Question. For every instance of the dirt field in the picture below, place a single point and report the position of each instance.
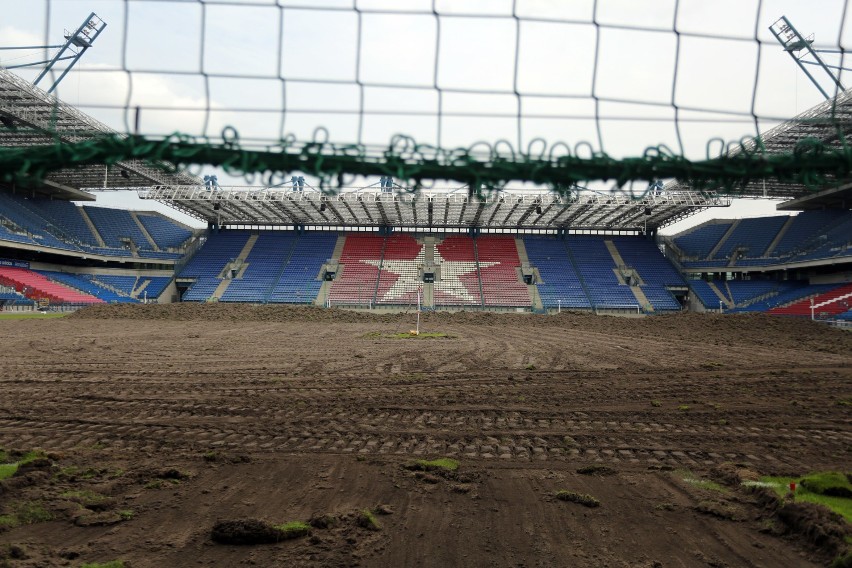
(160, 421)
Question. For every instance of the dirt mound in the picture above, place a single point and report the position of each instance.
(823, 528)
(245, 531)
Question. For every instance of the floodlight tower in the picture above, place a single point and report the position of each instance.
(76, 43)
(794, 43)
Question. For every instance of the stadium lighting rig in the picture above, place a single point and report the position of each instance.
(802, 51)
(76, 44)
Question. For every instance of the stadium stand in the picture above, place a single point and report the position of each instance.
(114, 225)
(742, 291)
(705, 294)
(804, 226)
(833, 301)
(697, 243)
(210, 260)
(654, 270)
(399, 278)
(298, 282)
(164, 232)
(155, 286)
(788, 293)
(66, 215)
(596, 269)
(752, 236)
(123, 284)
(87, 286)
(61, 225)
(10, 297)
(559, 286)
(455, 256)
(359, 279)
(17, 211)
(263, 266)
(810, 235)
(37, 287)
(499, 271)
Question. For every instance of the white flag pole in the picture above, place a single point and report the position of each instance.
(418, 311)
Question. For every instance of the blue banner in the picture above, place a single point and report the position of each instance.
(14, 263)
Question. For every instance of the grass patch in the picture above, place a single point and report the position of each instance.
(581, 498)
(683, 407)
(126, 514)
(88, 499)
(407, 335)
(9, 467)
(831, 483)
(656, 403)
(30, 315)
(691, 479)
(8, 522)
(293, 529)
(110, 564)
(445, 464)
(781, 485)
(7, 470)
(530, 367)
(422, 335)
(30, 513)
(367, 520)
(597, 470)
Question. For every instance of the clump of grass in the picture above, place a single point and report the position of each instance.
(831, 483)
(597, 469)
(717, 509)
(530, 367)
(581, 498)
(9, 467)
(110, 564)
(8, 522)
(367, 520)
(691, 479)
(683, 407)
(840, 505)
(656, 403)
(7, 470)
(154, 484)
(126, 514)
(293, 529)
(30, 513)
(446, 464)
(666, 506)
(88, 499)
(422, 335)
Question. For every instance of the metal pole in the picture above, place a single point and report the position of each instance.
(418, 312)
(720, 306)
(558, 306)
(812, 309)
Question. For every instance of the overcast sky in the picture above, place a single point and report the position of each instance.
(270, 68)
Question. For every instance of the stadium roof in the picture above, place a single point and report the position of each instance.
(31, 117)
(432, 209)
(826, 122)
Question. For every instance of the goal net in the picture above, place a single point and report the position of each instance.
(622, 93)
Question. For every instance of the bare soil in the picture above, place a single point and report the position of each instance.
(163, 422)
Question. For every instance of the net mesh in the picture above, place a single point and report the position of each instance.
(481, 93)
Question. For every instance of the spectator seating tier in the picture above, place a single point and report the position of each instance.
(36, 286)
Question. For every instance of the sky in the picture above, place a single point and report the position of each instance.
(271, 68)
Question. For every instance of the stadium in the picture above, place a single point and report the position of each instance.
(414, 356)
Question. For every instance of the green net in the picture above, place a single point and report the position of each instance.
(484, 93)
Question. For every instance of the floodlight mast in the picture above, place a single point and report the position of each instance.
(793, 42)
(82, 38)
